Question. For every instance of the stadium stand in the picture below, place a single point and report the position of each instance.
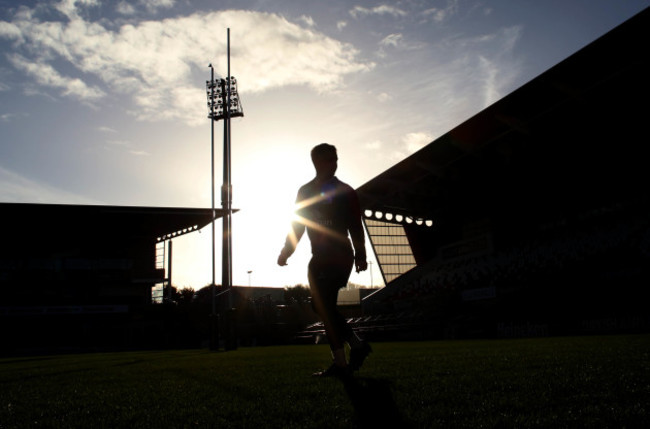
(80, 277)
(531, 217)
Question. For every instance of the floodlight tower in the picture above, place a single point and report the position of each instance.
(223, 103)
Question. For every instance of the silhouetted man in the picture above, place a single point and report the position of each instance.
(329, 210)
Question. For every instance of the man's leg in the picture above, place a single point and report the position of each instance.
(323, 281)
(324, 298)
(340, 332)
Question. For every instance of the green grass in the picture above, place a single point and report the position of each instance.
(586, 382)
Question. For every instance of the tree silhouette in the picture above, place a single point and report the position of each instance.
(297, 294)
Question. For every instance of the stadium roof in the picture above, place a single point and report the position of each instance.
(571, 140)
(577, 130)
(56, 220)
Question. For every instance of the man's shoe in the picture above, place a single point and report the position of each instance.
(358, 355)
(334, 371)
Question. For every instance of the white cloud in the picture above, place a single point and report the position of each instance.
(161, 65)
(392, 40)
(11, 31)
(47, 76)
(469, 75)
(490, 72)
(442, 14)
(151, 6)
(413, 142)
(409, 143)
(360, 11)
(106, 129)
(498, 69)
(122, 145)
(397, 41)
(125, 8)
(8, 117)
(308, 20)
(70, 7)
(154, 5)
(341, 25)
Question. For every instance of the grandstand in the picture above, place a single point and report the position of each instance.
(80, 277)
(531, 217)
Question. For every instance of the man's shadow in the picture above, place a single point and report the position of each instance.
(373, 403)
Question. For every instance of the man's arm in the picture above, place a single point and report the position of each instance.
(294, 236)
(296, 232)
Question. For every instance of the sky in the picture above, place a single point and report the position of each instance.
(103, 102)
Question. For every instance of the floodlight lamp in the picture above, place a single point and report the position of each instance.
(368, 213)
(217, 91)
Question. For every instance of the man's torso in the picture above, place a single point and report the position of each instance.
(326, 209)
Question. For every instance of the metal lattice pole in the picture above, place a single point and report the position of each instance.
(223, 102)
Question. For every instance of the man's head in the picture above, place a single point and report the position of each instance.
(325, 160)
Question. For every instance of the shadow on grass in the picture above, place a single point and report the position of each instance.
(373, 403)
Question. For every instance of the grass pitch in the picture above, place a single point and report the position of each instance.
(552, 382)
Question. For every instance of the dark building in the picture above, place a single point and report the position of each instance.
(81, 277)
(533, 216)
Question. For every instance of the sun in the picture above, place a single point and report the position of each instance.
(269, 182)
(264, 192)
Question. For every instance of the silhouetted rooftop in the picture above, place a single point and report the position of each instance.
(573, 134)
(46, 221)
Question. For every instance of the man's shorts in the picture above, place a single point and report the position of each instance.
(331, 272)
